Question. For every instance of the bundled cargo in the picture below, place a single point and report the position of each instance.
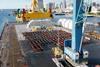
(40, 38)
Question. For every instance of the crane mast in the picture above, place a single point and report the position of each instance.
(34, 5)
(73, 51)
(73, 47)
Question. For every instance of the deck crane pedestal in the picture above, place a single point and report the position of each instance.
(73, 51)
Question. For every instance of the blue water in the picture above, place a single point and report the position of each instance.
(5, 16)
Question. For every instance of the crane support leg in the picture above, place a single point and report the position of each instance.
(73, 48)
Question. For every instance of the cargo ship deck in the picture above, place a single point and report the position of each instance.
(33, 49)
(42, 43)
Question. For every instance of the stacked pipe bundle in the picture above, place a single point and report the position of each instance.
(40, 38)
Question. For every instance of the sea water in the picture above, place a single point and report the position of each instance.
(5, 17)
